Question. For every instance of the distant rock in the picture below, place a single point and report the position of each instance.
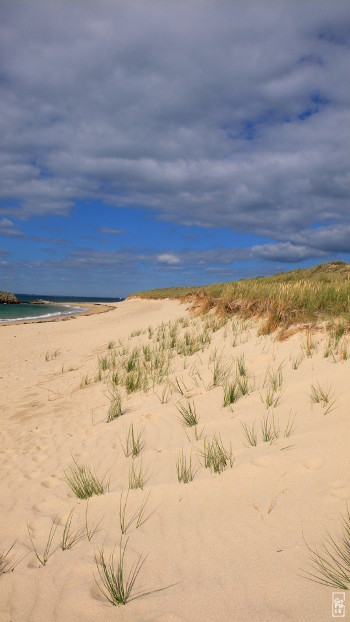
(8, 298)
(39, 301)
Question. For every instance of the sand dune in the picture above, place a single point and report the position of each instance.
(225, 546)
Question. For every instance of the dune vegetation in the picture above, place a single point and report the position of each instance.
(308, 295)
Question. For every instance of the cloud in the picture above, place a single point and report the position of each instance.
(234, 117)
(8, 229)
(168, 258)
(110, 231)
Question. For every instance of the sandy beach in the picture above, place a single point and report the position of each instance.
(228, 546)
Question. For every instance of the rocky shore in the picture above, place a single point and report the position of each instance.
(8, 298)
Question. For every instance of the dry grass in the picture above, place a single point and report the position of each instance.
(283, 300)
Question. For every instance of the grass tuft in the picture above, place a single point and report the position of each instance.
(116, 408)
(250, 434)
(136, 477)
(188, 415)
(133, 445)
(71, 538)
(43, 558)
(331, 566)
(322, 396)
(117, 585)
(184, 469)
(215, 456)
(83, 482)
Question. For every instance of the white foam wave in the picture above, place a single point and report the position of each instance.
(45, 315)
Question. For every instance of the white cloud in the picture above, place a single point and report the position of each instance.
(168, 258)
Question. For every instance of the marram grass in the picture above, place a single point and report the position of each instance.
(287, 298)
(83, 482)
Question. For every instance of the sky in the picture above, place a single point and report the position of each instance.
(152, 144)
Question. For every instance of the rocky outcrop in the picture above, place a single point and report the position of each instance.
(8, 298)
(38, 301)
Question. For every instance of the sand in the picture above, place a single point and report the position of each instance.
(228, 546)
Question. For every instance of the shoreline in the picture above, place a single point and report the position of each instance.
(88, 308)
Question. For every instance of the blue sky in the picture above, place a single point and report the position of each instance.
(149, 144)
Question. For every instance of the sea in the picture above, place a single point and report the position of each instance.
(26, 311)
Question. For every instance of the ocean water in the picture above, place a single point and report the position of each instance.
(11, 313)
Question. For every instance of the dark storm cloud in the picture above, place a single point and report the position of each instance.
(213, 114)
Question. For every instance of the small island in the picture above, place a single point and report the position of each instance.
(8, 298)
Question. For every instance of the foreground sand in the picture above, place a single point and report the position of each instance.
(226, 547)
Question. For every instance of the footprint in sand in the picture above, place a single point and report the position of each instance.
(44, 507)
(39, 458)
(33, 475)
(151, 416)
(49, 483)
(313, 463)
(262, 461)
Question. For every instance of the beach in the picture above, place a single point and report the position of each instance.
(228, 545)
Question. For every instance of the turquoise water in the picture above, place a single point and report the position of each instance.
(11, 313)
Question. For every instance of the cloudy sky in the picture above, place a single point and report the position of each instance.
(147, 144)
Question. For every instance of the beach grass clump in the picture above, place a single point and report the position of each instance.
(83, 482)
(133, 381)
(323, 396)
(116, 408)
(118, 585)
(188, 415)
(47, 552)
(69, 537)
(189, 344)
(331, 566)
(220, 372)
(241, 366)
(269, 430)
(243, 385)
(104, 363)
(137, 477)
(274, 379)
(215, 456)
(250, 434)
(184, 469)
(231, 393)
(133, 444)
(270, 399)
(337, 330)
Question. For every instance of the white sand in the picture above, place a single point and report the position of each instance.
(230, 546)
